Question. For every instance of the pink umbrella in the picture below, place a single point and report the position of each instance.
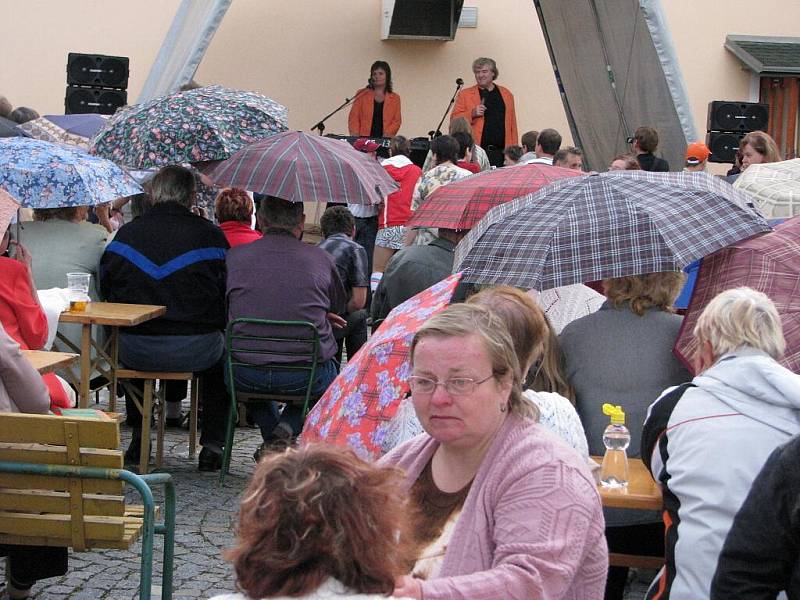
(356, 409)
(769, 263)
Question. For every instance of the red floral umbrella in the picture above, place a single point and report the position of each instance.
(461, 204)
(769, 263)
(356, 409)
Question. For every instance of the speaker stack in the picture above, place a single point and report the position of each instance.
(728, 123)
(96, 83)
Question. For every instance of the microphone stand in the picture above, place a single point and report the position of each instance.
(347, 102)
(438, 132)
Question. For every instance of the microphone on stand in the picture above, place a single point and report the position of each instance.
(459, 82)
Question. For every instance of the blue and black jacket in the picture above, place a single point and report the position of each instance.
(169, 257)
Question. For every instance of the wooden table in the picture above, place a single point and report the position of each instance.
(642, 493)
(47, 362)
(113, 315)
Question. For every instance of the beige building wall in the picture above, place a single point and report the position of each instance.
(311, 54)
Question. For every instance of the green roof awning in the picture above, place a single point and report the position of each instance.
(766, 54)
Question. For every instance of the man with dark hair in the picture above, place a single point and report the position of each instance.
(338, 227)
(465, 145)
(644, 143)
(282, 278)
(174, 258)
(489, 108)
(414, 269)
(569, 158)
(528, 142)
(547, 144)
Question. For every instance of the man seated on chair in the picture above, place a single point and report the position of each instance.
(281, 278)
(338, 228)
(174, 258)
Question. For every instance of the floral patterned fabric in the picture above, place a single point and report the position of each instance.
(357, 407)
(65, 129)
(46, 175)
(204, 124)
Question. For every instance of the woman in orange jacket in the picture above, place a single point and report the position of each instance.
(376, 109)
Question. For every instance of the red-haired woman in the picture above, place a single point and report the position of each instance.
(233, 209)
(318, 523)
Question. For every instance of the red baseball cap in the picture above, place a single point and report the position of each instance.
(366, 145)
(696, 153)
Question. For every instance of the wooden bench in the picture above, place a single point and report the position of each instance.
(62, 484)
(636, 561)
(151, 402)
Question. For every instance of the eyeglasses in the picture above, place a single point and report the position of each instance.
(456, 386)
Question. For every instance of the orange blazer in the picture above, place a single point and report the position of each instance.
(360, 120)
(470, 97)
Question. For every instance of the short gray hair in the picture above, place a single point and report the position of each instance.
(173, 184)
(486, 62)
(279, 213)
(741, 317)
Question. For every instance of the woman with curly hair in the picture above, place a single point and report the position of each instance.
(318, 523)
(233, 210)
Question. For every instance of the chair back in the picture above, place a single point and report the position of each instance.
(253, 342)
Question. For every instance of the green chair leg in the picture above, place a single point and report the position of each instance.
(227, 451)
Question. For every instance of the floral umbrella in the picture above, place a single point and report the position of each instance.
(8, 208)
(358, 406)
(204, 124)
(45, 175)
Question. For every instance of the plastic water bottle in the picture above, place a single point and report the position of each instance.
(616, 438)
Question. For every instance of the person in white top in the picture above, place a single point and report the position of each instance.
(318, 523)
(537, 349)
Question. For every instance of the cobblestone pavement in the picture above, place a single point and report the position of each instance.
(206, 516)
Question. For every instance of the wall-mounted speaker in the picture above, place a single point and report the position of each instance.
(737, 116)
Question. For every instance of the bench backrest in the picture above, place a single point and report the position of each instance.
(60, 511)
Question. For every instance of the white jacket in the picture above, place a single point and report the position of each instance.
(706, 447)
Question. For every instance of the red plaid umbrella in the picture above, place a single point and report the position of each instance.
(299, 167)
(769, 263)
(461, 204)
(356, 409)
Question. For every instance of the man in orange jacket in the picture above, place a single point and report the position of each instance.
(490, 110)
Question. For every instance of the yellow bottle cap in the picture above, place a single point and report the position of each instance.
(615, 412)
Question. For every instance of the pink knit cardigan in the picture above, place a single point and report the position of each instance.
(532, 524)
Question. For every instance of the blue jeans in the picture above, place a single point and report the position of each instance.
(274, 380)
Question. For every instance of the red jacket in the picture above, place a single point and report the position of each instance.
(397, 207)
(238, 233)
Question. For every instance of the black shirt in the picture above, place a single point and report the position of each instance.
(649, 162)
(377, 120)
(494, 119)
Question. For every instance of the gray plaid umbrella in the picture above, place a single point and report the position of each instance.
(606, 225)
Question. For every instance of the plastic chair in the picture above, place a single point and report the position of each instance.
(294, 338)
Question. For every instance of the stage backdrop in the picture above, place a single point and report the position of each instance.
(616, 71)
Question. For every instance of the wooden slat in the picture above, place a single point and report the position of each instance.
(134, 374)
(47, 362)
(59, 526)
(61, 484)
(56, 455)
(48, 501)
(49, 429)
(635, 561)
(114, 314)
(791, 121)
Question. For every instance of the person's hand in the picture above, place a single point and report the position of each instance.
(408, 587)
(22, 254)
(479, 110)
(337, 322)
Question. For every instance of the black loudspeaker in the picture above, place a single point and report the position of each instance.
(737, 116)
(97, 70)
(419, 147)
(723, 146)
(80, 100)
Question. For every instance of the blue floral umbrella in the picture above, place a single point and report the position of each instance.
(204, 124)
(46, 175)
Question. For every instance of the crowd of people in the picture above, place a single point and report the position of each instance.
(486, 488)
